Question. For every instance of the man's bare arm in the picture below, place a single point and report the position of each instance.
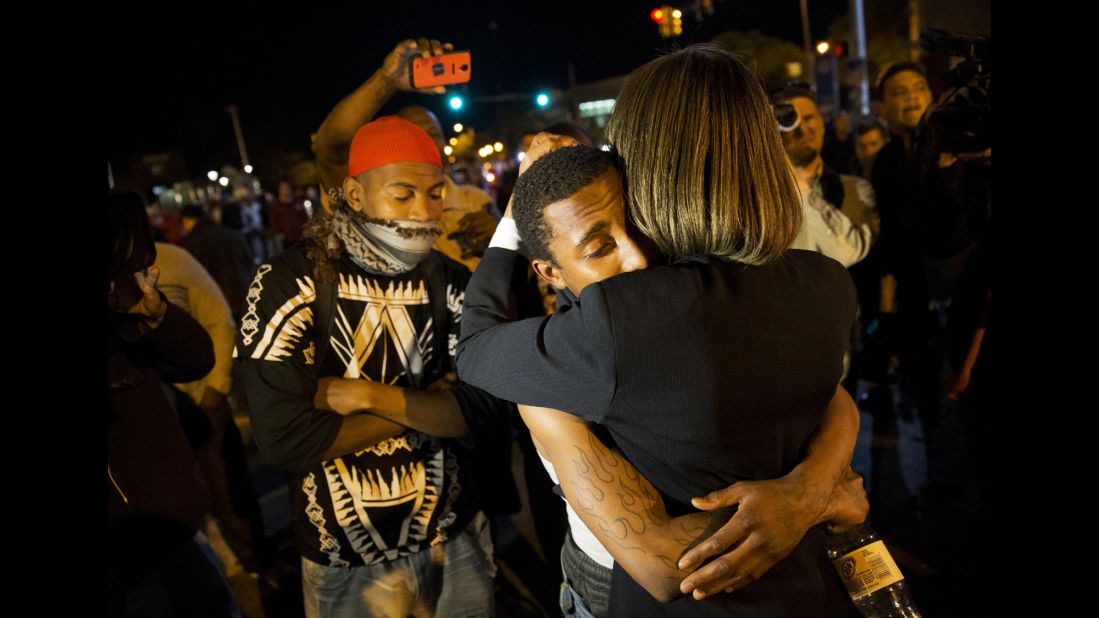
(621, 507)
(627, 514)
(360, 431)
(434, 412)
(335, 133)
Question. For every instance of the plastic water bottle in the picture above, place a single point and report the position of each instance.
(873, 580)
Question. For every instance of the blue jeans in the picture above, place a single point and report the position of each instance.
(586, 591)
(453, 579)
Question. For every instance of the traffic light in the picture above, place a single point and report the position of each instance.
(542, 99)
(456, 102)
(669, 20)
(841, 49)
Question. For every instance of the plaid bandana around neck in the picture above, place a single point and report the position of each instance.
(380, 246)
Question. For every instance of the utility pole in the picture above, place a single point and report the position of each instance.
(810, 67)
(232, 109)
(860, 46)
(914, 30)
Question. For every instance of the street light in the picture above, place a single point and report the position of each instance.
(223, 181)
(498, 147)
(247, 169)
(454, 141)
(822, 47)
(212, 175)
(448, 150)
(458, 128)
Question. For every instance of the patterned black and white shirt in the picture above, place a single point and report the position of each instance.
(396, 497)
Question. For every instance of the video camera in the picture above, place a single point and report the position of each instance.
(963, 122)
(786, 115)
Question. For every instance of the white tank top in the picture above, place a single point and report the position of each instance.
(583, 536)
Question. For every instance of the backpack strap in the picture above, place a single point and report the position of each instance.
(433, 274)
(324, 311)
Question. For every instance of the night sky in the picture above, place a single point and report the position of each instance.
(173, 67)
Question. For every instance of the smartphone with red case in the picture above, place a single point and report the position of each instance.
(452, 68)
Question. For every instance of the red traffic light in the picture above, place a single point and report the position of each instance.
(657, 15)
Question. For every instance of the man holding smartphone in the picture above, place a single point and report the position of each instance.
(469, 216)
(465, 224)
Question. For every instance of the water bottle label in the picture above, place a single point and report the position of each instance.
(867, 570)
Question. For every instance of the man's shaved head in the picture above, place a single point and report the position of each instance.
(423, 118)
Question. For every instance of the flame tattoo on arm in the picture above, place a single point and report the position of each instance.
(604, 482)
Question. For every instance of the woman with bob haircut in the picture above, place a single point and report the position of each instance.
(713, 369)
(706, 173)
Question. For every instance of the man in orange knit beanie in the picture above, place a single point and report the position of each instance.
(346, 346)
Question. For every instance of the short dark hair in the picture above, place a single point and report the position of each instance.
(556, 176)
(897, 67)
(866, 124)
(793, 89)
(130, 247)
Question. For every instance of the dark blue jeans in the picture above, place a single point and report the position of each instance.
(586, 591)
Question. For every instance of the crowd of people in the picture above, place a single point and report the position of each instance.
(719, 284)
